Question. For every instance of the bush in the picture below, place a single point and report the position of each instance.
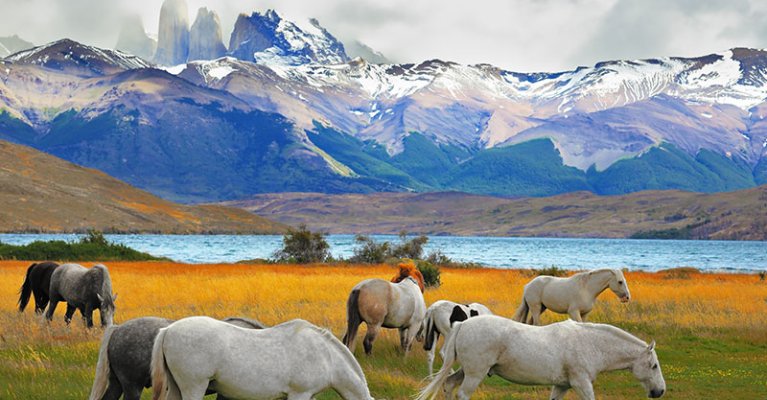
(430, 273)
(412, 248)
(94, 247)
(550, 271)
(303, 246)
(370, 252)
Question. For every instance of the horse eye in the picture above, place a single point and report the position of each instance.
(655, 366)
(620, 282)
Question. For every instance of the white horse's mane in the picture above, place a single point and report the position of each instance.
(615, 331)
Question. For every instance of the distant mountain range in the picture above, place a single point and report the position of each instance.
(669, 214)
(41, 193)
(288, 110)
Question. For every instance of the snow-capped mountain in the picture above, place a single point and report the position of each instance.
(270, 39)
(619, 126)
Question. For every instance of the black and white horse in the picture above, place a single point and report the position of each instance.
(439, 320)
(125, 357)
(83, 289)
(37, 282)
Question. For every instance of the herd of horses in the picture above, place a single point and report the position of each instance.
(241, 358)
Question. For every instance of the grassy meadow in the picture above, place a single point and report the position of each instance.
(711, 329)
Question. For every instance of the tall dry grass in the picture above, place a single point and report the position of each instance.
(663, 305)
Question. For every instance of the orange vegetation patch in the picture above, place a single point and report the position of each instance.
(275, 293)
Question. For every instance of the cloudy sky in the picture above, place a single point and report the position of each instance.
(519, 35)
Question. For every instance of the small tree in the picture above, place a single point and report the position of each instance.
(94, 237)
(412, 248)
(370, 252)
(303, 246)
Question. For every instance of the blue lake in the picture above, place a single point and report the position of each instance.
(648, 255)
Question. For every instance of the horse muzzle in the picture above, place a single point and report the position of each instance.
(655, 393)
(625, 299)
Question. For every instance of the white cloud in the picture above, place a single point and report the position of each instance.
(520, 35)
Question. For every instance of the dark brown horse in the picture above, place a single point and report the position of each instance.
(37, 282)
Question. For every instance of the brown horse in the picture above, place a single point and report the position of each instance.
(379, 303)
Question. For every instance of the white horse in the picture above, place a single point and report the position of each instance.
(439, 320)
(566, 355)
(379, 303)
(574, 296)
(295, 360)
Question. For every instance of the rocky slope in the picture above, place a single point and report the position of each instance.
(42, 193)
(740, 215)
(133, 39)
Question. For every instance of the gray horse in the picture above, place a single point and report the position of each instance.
(126, 353)
(83, 289)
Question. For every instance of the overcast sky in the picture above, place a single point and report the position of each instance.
(518, 35)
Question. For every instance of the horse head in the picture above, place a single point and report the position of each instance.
(619, 286)
(107, 308)
(646, 369)
(409, 270)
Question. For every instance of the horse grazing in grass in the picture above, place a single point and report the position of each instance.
(439, 320)
(566, 355)
(379, 303)
(574, 296)
(125, 356)
(295, 359)
(37, 282)
(84, 289)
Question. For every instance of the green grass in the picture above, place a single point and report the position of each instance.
(696, 365)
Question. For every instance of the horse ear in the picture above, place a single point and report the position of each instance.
(99, 297)
(651, 347)
(114, 297)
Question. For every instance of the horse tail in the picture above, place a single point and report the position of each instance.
(353, 318)
(522, 311)
(431, 330)
(438, 380)
(26, 289)
(162, 379)
(101, 381)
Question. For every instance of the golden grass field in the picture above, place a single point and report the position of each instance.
(711, 329)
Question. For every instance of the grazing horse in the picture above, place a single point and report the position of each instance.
(295, 359)
(566, 355)
(37, 282)
(439, 320)
(84, 289)
(126, 354)
(379, 303)
(574, 296)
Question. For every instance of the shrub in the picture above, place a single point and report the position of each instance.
(550, 271)
(303, 246)
(412, 248)
(762, 275)
(370, 252)
(94, 247)
(430, 273)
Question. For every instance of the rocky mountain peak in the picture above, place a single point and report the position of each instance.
(134, 40)
(270, 39)
(205, 39)
(173, 33)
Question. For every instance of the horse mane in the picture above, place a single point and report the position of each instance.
(617, 332)
(408, 269)
(347, 354)
(106, 281)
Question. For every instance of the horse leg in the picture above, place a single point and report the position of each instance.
(41, 302)
(584, 315)
(469, 385)
(195, 391)
(54, 301)
(535, 313)
(370, 336)
(558, 392)
(68, 315)
(114, 390)
(452, 382)
(583, 388)
(574, 314)
(430, 357)
(88, 315)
